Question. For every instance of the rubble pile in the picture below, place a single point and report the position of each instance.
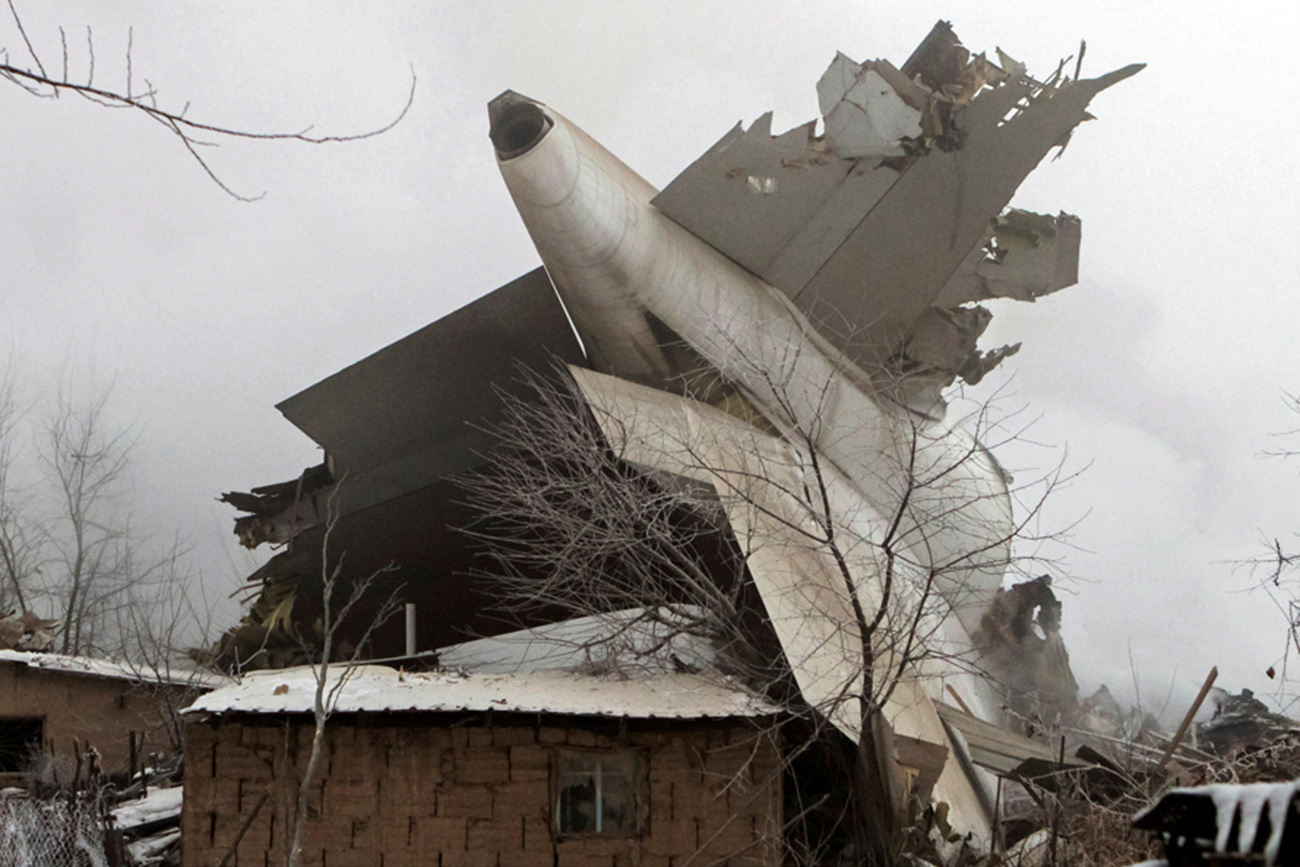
(1223, 794)
(26, 631)
(1242, 722)
(146, 821)
(116, 821)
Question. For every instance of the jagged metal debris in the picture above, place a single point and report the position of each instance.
(1241, 722)
(280, 511)
(864, 241)
(867, 115)
(1024, 256)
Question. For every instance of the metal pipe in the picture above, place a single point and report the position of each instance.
(410, 629)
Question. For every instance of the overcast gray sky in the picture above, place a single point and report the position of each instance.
(1163, 370)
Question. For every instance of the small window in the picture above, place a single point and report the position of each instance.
(599, 792)
(19, 738)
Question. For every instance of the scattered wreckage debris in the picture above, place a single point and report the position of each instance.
(146, 820)
(830, 230)
(847, 265)
(1226, 807)
(277, 511)
(27, 631)
(1242, 722)
(1102, 714)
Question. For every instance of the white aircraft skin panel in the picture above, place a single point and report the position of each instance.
(754, 474)
(911, 713)
(809, 612)
(806, 602)
(613, 257)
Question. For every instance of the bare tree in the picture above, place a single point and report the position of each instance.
(331, 675)
(1277, 572)
(68, 546)
(19, 542)
(165, 613)
(85, 459)
(193, 134)
(694, 518)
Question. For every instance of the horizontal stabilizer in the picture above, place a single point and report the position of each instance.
(416, 410)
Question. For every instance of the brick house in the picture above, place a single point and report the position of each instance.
(48, 702)
(447, 768)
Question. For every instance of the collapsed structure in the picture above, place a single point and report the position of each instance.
(774, 328)
(27, 631)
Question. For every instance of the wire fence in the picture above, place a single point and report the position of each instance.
(51, 833)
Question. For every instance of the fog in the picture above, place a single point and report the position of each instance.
(1160, 376)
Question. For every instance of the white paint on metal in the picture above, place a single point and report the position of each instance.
(865, 116)
(614, 258)
(644, 646)
(760, 480)
(158, 804)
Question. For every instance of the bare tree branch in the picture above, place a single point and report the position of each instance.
(572, 520)
(39, 82)
(23, 32)
(327, 691)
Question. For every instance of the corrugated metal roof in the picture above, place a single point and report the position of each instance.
(373, 688)
(109, 668)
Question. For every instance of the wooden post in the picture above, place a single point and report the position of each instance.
(243, 829)
(76, 765)
(965, 708)
(1187, 720)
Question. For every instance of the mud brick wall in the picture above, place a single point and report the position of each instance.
(95, 710)
(437, 790)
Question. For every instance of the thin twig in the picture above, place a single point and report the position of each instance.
(39, 83)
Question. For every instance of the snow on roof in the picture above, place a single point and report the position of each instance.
(378, 688)
(159, 804)
(623, 637)
(111, 669)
